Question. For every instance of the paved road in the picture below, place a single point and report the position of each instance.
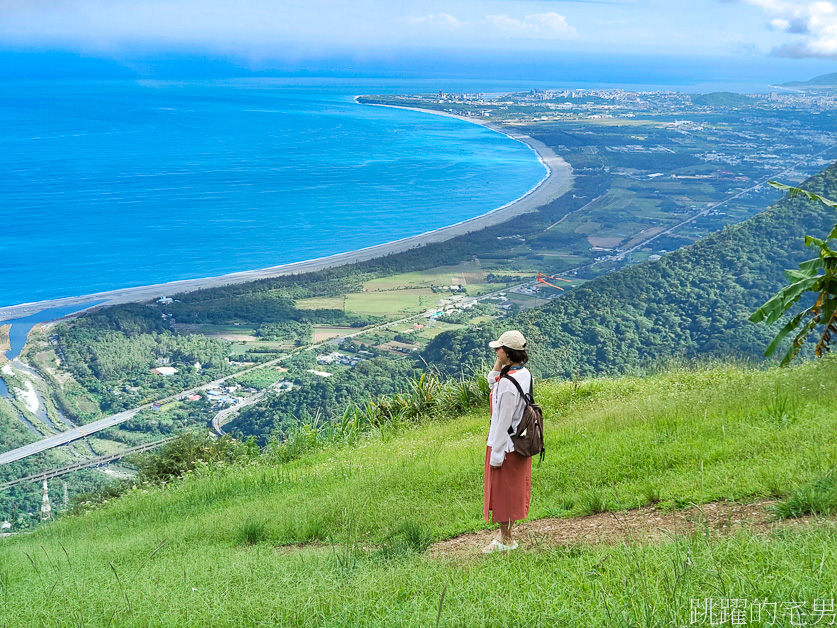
(65, 437)
(227, 414)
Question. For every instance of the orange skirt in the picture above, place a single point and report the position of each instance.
(507, 489)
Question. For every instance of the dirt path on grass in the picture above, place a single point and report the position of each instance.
(642, 524)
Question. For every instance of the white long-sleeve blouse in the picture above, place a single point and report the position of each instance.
(506, 411)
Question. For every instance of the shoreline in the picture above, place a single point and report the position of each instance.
(557, 182)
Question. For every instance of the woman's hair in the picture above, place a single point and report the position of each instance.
(515, 355)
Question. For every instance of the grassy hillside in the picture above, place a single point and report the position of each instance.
(339, 536)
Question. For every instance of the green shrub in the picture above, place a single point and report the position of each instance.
(187, 451)
(651, 493)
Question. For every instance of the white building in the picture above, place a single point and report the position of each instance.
(329, 358)
(167, 371)
(319, 373)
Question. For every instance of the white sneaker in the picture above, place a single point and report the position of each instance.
(497, 546)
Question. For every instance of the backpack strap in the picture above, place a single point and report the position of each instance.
(528, 398)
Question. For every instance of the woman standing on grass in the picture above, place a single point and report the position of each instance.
(508, 475)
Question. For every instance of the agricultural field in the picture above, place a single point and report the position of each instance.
(429, 333)
(391, 303)
(323, 332)
(320, 303)
(463, 274)
(478, 289)
(240, 348)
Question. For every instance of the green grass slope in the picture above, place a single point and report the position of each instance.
(338, 537)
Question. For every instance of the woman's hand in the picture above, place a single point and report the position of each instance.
(502, 359)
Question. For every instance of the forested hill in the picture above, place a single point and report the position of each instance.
(828, 80)
(694, 301)
(722, 99)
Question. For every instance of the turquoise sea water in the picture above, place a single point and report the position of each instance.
(106, 185)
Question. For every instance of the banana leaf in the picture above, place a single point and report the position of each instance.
(791, 325)
(800, 338)
(773, 309)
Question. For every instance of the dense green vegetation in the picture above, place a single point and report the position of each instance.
(259, 306)
(260, 378)
(722, 99)
(325, 398)
(694, 301)
(111, 353)
(337, 535)
(293, 332)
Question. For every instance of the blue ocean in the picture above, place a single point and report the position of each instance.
(112, 184)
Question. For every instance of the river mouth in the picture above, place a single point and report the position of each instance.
(20, 327)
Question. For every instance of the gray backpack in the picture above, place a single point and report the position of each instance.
(528, 438)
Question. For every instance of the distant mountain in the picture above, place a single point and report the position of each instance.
(722, 99)
(823, 80)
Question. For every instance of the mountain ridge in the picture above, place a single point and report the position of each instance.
(823, 80)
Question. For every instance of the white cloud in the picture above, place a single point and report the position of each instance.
(438, 19)
(815, 24)
(536, 26)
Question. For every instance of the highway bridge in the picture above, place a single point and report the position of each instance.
(85, 464)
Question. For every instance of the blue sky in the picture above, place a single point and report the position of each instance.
(800, 28)
(259, 30)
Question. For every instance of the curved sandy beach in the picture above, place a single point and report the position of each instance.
(557, 182)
